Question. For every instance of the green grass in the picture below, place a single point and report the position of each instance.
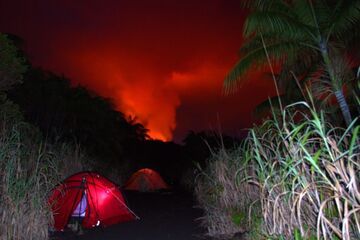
(307, 168)
(307, 173)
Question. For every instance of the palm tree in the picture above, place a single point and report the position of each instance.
(304, 36)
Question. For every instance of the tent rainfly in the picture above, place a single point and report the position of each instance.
(146, 180)
(89, 196)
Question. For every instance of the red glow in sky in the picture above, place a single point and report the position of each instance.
(162, 61)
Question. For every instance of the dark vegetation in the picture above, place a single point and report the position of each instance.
(313, 44)
(73, 114)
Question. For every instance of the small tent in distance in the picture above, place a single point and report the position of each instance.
(92, 198)
(146, 180)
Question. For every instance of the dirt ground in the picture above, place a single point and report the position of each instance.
(162, 216)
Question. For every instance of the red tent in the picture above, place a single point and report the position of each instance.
(91, 196)
(146, 180)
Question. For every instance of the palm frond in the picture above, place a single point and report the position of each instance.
(303, 12)
(341, 70)
(288, 97)
(303, 66)
(256, 42)
(265, 107)
(277, 24)
(345, 19)
(323, 12)
(278, 51)
(262, 5)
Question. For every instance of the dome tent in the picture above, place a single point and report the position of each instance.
(90, 196)
(146, 180)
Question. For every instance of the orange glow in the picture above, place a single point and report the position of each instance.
(143, 96)
(162, 62)
(154, 107)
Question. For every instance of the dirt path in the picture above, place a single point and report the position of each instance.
(162, 216)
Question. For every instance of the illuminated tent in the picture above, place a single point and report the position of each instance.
(91, 197)
(146, 180)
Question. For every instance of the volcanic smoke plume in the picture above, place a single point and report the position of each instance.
(162, 62)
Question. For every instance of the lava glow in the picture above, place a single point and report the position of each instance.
(162, 62)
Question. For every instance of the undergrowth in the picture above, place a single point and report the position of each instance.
(29, 169)
(307, 175)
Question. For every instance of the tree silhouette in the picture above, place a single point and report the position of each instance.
(199, 145)
(12, 64)
(65, 113)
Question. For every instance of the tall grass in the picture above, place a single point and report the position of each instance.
(308, 172)
(225, 200)
(308, 176)
(29, 169)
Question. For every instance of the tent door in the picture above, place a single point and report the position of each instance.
(80, 209)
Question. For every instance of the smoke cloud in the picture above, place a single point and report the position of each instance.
(161, 61)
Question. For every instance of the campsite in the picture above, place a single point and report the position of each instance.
(163, 216)
(179, 120)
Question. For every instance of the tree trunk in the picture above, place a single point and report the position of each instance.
(338, 92)
(343, 106)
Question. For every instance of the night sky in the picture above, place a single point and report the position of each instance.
(161, 61)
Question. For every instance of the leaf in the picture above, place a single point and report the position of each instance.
(353, 139)
(257, 58)
(297, 234)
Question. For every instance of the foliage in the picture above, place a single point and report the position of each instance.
(29, 169)
(197, 148)
(66, 113)
(198, 144)
(308, 172)
(226, 201)
(12, 66)
(308, 39)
